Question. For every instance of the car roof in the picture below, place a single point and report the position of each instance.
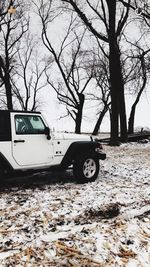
(19, 111)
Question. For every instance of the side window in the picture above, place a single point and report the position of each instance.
(37, 124)
(29, 124)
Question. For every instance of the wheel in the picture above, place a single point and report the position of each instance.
(86, 168)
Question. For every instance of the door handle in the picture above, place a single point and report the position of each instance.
(19, 141)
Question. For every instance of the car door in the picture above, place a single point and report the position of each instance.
(30, 145)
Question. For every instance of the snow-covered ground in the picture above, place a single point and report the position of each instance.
(104, 223)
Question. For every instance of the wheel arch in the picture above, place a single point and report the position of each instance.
(79, 148)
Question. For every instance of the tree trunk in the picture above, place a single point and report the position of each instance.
(79, 114)
(132, 114)
(5, 77)
(8, 91)
(131, 119)
(121, 102)
(116, 80)
(112, 70)
(99, 121)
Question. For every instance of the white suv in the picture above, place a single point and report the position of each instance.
(27, 143)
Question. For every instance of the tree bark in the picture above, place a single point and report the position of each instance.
(79, 113)
(99, 121)
(8, 91)
(133, 109)
(5, 77)
(131, 119)
(117, 87)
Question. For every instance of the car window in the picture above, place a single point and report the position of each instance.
(29, 124)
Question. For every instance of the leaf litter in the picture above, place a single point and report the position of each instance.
(104, 223)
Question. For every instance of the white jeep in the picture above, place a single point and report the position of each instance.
(27, 143)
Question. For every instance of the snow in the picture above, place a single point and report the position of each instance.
(104, 223)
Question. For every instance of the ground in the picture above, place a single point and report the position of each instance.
(51, 222)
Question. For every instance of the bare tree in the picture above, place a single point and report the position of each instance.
(105, 101)
(99, 66)
(68, 59)
(13, 27)
(139, 53)
(140, 7)
(28, 76)
(113, 23)
(138, 81)
(135, 76)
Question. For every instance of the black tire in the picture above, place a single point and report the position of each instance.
(2, 175)
(86, 168)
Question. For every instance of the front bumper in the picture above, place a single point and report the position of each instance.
(101, 155)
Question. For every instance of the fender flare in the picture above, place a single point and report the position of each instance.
(79, 148)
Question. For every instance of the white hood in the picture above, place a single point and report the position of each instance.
(71, 136)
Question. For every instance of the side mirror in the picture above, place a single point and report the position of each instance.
(47, 132)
